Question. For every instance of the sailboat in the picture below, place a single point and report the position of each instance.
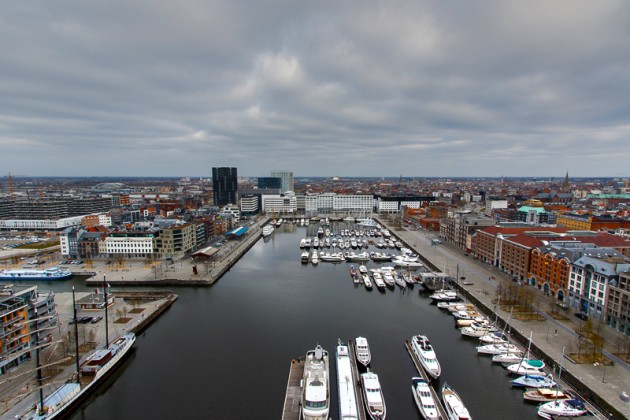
(87, 375)
(527, 366)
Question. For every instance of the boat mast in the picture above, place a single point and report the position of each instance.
(106, 319)
(76, 333)
(40, 379)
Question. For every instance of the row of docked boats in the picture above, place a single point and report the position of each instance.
(426, 401)
(529, 373)
(315, 401)
(382, 277)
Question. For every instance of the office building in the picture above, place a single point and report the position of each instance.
(287, 179)
(224, 185)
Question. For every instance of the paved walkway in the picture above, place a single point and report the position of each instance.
(551, 336)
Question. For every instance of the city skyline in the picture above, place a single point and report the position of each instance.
(418, 89)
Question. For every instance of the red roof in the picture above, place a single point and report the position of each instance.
(494, 230)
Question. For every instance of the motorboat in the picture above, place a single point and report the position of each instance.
(367, 282)
(362, 350)
(388, 278)
(361, 257)
(424, 350)
(424, 398)
(407, 261)
(494, 337)
(497, 348)
(527, 367)
(316, 388)
(267, 230)
(508, 358)
(304, 257)
(302, 243)
(562, 408)
(346, 386)
(378, 280)
(380, 257)
(315, 243)
(539, 395)
(534, 381)
(477, 329)
(400, 281)
(453, 404)
(314, 258)
(334, 257)
(373, 396)
(363, 269)
(445, 296)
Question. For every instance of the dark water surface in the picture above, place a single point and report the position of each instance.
(224, 352)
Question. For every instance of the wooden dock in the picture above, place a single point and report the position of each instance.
(423, 374)
(355, 378)
(293, 396)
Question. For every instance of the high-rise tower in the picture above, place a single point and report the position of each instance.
(287, 179)
(224, 185)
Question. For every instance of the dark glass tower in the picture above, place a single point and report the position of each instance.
(224, 185)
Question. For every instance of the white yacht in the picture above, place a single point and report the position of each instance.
(362, 350)
(316, 393)
(424, 350)
(497, 348)
(527, 367)
(454, 405)
(373, 396)
(534, 381)
(477, 329)
(508, 358)
(314, 258)
(562, 408)
(424, 399)
(346, 386)
(378, 280)
(304, 257)
(267, 230)
(407, 261)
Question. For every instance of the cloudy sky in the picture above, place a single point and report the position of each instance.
(322, 88)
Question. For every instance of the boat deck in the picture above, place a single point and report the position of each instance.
(293, 396)
(423, 374)
(355, 378)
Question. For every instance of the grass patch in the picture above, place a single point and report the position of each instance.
(590, 358)
(527, 316)
(136, 310)
(122, 320)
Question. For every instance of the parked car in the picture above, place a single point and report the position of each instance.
(582, 316)
(96, 319)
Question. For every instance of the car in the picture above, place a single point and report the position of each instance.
(96, 319)
(582, 316)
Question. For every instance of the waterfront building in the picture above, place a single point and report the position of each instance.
(590, 279)
(137, 244)
(24, 313)
(618, 308)
(250, 204)
(459, 228)
(287, 179)
(279, 204)
(395, 203)
(232, 211)
(224, 185)
(550, 264)
(175, 241)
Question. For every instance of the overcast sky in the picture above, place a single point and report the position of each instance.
(321, 88)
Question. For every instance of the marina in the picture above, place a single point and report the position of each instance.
(387, 319)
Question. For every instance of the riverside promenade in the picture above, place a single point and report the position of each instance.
(600, 383)
(179, 272)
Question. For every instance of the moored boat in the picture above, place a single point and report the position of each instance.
(534, 381)
(54, 273)
(497, 349)
(453, 404)
(373, 396)
(267, 230)
(562, 408)
(346, 387)
(424, 399)
(362, 350)
(316, 393)
(426, 354)
(527, 367)
(304, 257)
(545, 395)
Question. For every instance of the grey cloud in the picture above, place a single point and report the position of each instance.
(323, 88)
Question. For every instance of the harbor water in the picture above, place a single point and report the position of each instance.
(223, 352)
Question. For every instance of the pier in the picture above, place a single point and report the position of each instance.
(355, 377)
(293, 397)
(438, 401)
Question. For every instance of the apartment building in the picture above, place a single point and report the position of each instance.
(459, 228)
(175, 241)
(26, 316)
(590, 279)
(618, 308)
